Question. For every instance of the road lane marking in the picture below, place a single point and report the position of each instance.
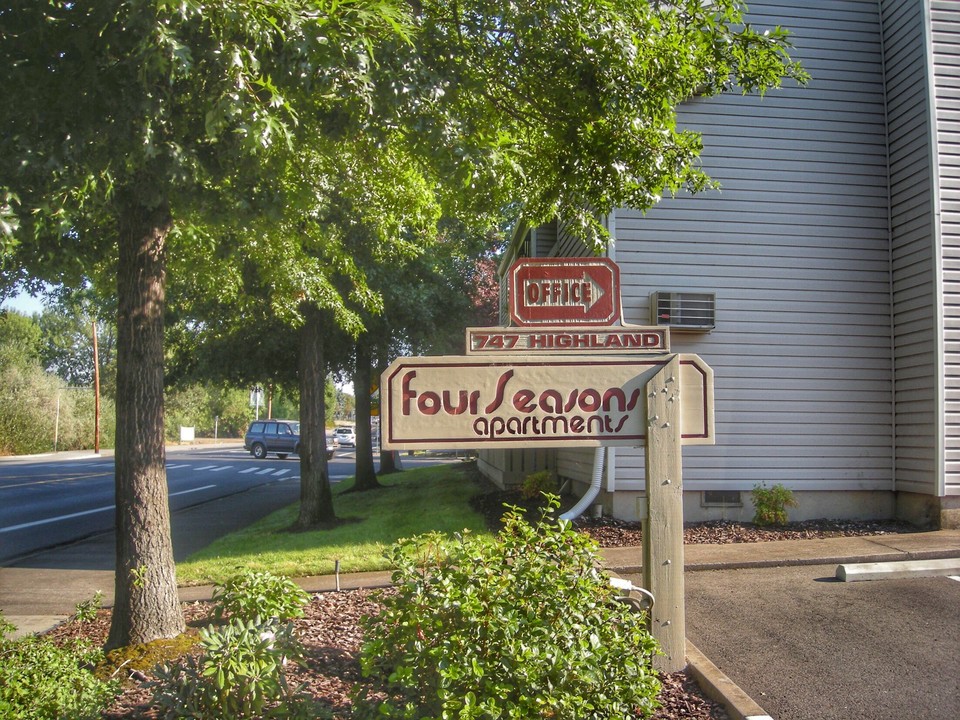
(278, 473)
(206, 467)
(248, 471)
(54, 481)
(47, 521)
(954, 577)
(221, 468)
(192, 490)
(265, 472)
(178, 466)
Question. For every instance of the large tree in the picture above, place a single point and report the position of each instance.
(130, 117)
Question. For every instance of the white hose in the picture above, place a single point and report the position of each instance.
(594, 489)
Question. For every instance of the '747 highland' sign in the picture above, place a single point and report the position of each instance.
(459, 402)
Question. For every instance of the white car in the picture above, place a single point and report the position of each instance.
(346, 436)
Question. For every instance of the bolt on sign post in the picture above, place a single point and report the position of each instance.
(569, 373)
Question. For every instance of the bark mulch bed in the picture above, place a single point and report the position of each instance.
(331, 638)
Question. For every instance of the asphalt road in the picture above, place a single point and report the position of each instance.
(48, 501)
(807, 647)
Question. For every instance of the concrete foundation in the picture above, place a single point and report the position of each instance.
(927, 511)
(631, 506)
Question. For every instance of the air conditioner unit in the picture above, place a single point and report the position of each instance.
(684, 310)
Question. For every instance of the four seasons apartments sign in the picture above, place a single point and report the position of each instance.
(563, 375)
(569, 373)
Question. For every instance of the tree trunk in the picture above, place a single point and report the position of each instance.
(316, 499)
(388, 458)
(147, 606)
(366, 472)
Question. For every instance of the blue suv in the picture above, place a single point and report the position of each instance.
(272, 436)
(277, 436)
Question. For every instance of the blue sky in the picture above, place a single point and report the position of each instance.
(24, 303)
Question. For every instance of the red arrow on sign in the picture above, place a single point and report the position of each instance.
(564, 291)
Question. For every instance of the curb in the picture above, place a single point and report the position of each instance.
(862, 571)
(720, 688)
(905, 556)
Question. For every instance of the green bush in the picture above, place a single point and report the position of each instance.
(41, 681)
(259, 594)
(538, 483)
(33, 421)
(240, 674)
(770, 504)
(86, 610)
(522, 625)
(6, 627)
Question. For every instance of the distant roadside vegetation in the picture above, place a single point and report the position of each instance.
(47, 398)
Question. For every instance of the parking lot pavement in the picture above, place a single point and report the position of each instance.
(806, 646)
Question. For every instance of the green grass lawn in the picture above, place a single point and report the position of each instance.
(412, 502)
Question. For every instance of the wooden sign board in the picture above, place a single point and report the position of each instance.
(617, 340)
(519, 402)
(564, 291)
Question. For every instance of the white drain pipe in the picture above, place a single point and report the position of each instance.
(594, 489)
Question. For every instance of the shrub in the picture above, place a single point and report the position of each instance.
(259, 594)
(770, 504)
(538, 483)
(522, 625)
(6, 627)
(40, 680)
(86, 610)
(238, 675)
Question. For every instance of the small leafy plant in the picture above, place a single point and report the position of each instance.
(523, 625)
(6, 627)
(259, 594)
(86, 610)
(538, 483)
(40, 680)
(770, 504)
(240, 674)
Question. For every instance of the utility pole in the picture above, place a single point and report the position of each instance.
(96, 392)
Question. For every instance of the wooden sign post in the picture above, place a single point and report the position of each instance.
(663, 526)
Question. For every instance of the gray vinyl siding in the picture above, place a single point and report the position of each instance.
(945, 21)
(913, 249)
(796, 248)
(544, 238)
(568, 244)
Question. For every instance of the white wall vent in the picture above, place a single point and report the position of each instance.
(684, 310)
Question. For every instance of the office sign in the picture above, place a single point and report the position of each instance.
(564, 291)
